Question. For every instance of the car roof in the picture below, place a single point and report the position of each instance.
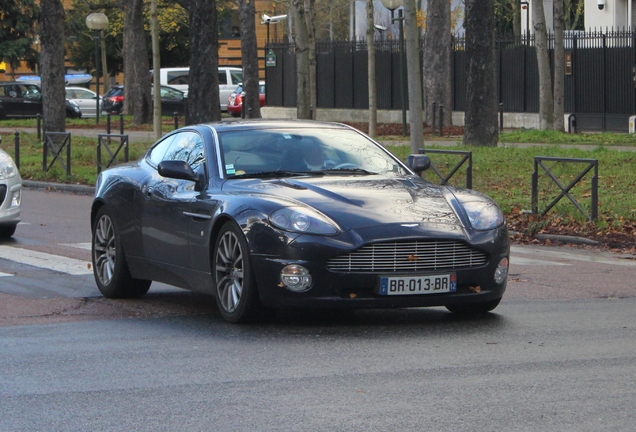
(243, 124)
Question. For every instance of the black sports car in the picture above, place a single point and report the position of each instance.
(269, 214)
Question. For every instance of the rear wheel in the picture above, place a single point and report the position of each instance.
(474, 308)
(109, 261)
(6, 231)
(236, 293)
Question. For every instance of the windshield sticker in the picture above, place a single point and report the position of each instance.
(229, 169)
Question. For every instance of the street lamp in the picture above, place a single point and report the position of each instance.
(392, 5)
(526, 6)
(97, 22)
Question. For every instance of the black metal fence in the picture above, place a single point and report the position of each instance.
(600, 76)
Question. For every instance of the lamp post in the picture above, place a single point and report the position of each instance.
(526, 6)
(97, 22)
(392, 5)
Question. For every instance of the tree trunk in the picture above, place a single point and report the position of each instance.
(52, 65)
(559, 65)
(373, 93)
(311, 38)
(204, 103)
(437, 60)
(411, 35)
(480, 122)
(156, 67)
(301, 41)
(546, 107)
(249, 57)
(137, 99)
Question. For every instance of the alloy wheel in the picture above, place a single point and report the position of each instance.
(104, 250)
(229, 271)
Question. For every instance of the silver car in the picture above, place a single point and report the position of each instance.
(10, 195)
(85, 98)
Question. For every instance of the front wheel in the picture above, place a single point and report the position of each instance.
(474, 308)
(236, 293)
(109, 262)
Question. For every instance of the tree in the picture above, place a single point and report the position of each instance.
(301, 42)
(373, 93)
(17, 32)
(52, 65)
(559, 64)
(249, 57)
(137, 99)
(546, 107)
(480, 123)
(204, 104)
(411, 34)
(437, 59)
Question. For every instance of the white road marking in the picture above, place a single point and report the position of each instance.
(85, 246)
(516, 260)
(550, 257)
(5, 274)
(47, 261)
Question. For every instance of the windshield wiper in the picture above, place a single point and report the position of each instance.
(354, 171)
(274, 174)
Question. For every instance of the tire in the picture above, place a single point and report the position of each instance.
(236, 292)
(6, 231)
(474, 308)
(109, 261)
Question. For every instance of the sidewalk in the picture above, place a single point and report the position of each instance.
(133, 136)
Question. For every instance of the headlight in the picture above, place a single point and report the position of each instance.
(7, 167)
(482, 212)
(302, 220)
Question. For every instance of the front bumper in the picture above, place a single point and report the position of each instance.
(360, 289)
(9, 214)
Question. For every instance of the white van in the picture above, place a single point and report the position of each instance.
(229, 78)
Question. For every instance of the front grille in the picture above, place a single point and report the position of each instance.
(3, 193)
(417, 256)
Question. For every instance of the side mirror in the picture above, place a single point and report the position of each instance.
(178, 169)
(418, 162)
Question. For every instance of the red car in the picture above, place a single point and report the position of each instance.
(235, 101)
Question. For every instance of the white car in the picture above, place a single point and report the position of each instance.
(10, 195)
(85, 98)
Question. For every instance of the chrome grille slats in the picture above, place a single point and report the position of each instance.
(407, 257)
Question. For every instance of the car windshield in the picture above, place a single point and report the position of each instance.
(303, 151)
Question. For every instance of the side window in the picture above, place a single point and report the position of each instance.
(222, 78)
(156, 153)
(187, 146)
(30, 91)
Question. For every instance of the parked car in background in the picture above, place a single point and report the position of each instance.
(172, 101)
(10, 195)
(235, 101)
(84, 98)
(25, 100)
(178, 78)
(279, 214)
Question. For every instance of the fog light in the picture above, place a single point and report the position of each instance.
(295, 278)
(15, 200)
(502, 271)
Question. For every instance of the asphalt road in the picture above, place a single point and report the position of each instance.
(557, 354)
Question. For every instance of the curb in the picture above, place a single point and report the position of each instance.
(567, 239)
(61, 187)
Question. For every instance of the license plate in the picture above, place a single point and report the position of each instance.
(412, 285)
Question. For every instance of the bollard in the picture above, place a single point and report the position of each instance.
(39, 126)
(121, 124)
(501, 117)
(243, 105)
(434, 119)
(176, 120)
(16, 141)
(441, 120)
(108, 123)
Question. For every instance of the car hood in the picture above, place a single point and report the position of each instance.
(358, 202)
